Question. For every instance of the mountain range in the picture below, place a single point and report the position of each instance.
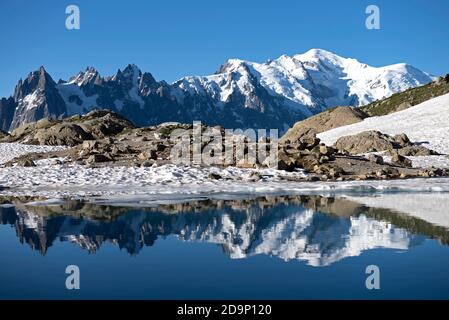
(241, 94)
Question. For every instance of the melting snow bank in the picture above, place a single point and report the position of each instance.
(9, 151)
(425, 123)
(430, 161)
(171, 183)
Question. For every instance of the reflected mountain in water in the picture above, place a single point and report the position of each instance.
(314, 229)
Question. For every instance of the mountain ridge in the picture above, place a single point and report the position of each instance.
(241, 94)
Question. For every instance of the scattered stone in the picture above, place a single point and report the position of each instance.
(336, 172)
(402, 140)
(309, 140)
(97, 158)
(89, 144)
(214, 176)
(26, 163)
(142, 139)
(402, 161)
(149, 154)
(255, 176)
(147, 163)
(376, 159)
(324, 159)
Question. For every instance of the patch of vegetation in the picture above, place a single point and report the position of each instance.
(408, 98)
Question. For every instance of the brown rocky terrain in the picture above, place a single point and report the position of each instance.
(71, 131)
(329, 163)
(104, 138)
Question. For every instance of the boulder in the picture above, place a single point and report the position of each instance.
(65, 134)
(147, 163)
(410, 151)
(148, 154)
(214, 176)
(89, 144)
(375, 141)
(376, 159)
(286, 162)
(365, 142)
(402, 161)
(402, 140)
(26, 163)
(326, 150)
(98, 158)
(309, 140)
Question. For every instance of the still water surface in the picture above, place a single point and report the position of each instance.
(297, 247)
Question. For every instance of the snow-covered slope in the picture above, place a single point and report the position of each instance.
(283, 78)
(346, 81)
(426, 123)
(309, 82)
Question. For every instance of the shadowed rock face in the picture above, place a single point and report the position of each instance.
(7, 109)
(316, 229)
(36, 97)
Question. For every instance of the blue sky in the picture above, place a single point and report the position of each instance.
(174, 38)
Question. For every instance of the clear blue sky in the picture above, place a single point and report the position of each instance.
(174, 38)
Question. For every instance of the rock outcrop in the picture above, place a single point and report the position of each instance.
(375, 141)
(324, 121)
(71, 131)
(103, 138)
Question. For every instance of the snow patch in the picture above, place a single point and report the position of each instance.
(9, 151)
(426, 123)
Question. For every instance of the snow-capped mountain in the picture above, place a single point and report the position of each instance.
(241, 94)
(345, 81)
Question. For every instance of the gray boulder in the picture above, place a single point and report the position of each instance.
(66, 134)
(367, 141)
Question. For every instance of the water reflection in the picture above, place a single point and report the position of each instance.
(315, 229)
